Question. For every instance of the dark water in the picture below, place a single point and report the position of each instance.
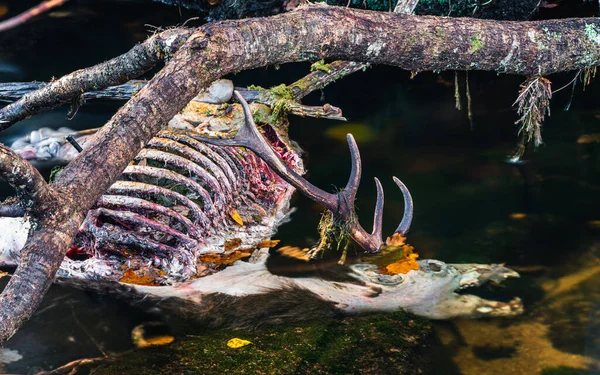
(466, 194)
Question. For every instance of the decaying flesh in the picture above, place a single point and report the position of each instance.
(196, 191)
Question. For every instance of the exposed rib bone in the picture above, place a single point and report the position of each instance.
(217, 165)
(137, 189)
(110, 236)
(136, 220)
(174, 161)
(145, 207)
(159, 173)
(341, 204)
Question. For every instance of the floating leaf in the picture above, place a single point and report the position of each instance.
(294, 252)
(518, 215)
(236, 216)
(237, 343)
(2, 274)
(137, 335)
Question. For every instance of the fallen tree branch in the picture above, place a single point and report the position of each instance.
(30, 186)
(29, 14)
(11, 91)
(209, 52)
(527, 48)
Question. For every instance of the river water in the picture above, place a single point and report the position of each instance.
(540, 216)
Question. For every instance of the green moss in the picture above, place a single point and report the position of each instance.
(54, 173)
(282, 92)
(255, 87)
(320, 66)
(376, 344)
(476, 43)
(261, 114)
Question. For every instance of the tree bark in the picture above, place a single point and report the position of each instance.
(209, 52)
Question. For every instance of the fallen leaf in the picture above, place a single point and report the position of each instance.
(225, 259)
(588, 138)
(268, 243)
(2, 274)
(396, 240)
(518, 215)
(155, 341)
(143, 276)
(137, 335)
(407, 263)
(232, 244)
(237, 343)
(294, 252)
(236, 216)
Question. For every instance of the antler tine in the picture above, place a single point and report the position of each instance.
(352, 186)
(378, 216)
(408, 208)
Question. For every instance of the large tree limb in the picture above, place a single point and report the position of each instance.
(312, 32)
(410, 42)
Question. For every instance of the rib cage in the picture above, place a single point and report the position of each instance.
(175, 197)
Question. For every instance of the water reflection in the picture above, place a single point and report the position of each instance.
(471, 206)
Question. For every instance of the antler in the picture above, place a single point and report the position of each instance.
(340, 204)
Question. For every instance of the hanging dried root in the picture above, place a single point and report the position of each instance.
(331, 232)
(533, 104)
(587, 75)
(457, 103)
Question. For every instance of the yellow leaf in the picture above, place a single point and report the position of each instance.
(155, 341)
(2, 274)
(236, 217)
(237, 343)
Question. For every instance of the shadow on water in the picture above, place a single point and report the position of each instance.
(540, 217)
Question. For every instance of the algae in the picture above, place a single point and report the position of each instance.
(376, 344)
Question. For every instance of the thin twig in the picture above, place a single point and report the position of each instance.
(30, 13)
(87, 332)
(72, 366)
